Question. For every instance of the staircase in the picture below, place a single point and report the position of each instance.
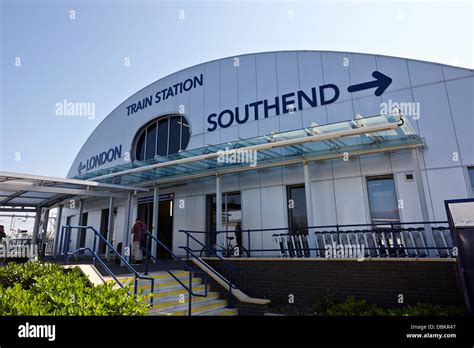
(171, 299)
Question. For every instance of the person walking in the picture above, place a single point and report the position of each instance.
(138, 240)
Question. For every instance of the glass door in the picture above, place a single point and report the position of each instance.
(231, 217)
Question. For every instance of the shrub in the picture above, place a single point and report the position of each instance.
(353, 307)
(35, 288)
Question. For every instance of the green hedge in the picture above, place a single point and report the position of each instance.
(37, 288)
(353, 307)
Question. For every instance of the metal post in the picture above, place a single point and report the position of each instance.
(56, 233)
(424, 206)
(43, 235)
(309, 209)
(110, 228)
(218, 213)
(34, 237)
(80, 222)
(156, 206)
(127, 232)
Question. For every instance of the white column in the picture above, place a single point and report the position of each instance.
(156, 206)
(110, 226)
(57, 233)
(424, 206)
(220, 236)
(127, 232)
(309, 208)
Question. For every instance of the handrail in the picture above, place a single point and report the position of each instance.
(231, 285)
(322, 226)
(388, 227)
(137, 275)
(229, 266)
(186, 266)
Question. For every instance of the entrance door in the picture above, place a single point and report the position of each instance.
(104, 222)
(165, 223)
(297, 214)
(82, 233)
(231, 216)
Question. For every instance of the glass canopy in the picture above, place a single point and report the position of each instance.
(316, 143)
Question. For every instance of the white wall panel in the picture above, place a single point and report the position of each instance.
(344, 169)
(361, 67)
(396, 69)
(422, 72)
(407, 191)
(293, 175)
(450, 72)
(350, 202)
(376, 164)
(339, 112)
(461, 101)
(323, 202)
(252, 219)
(440, 191)
(336, 73)
(273, 204)
(435, 123)
(196, 112)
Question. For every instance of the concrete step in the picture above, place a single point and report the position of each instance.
(166, 294)
(165, 286)
(198, 308)
(176, 302)
(159, 277)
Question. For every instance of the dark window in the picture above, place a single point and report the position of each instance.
(150, 141)
(382, 199)
(471, 178)
(297, 215)
(174, 135)
(140, 154)
(185, 134)
(162, 140)
(166, 137)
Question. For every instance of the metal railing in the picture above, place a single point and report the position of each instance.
(66, 237)
(146, 248)
(215, 252)
(384, 239)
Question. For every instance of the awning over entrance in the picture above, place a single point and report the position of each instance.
(22, 190)
(316, 143)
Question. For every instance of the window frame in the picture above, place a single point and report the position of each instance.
(143, 131)
(395, 190)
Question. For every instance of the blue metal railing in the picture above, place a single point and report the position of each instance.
(95, 256)
(227, 265)
(150, 237)
(384, 239)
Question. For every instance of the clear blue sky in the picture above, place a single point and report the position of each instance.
(82, 59)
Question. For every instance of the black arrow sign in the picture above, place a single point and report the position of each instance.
(381, 82)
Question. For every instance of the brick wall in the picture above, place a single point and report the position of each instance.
(378, 281)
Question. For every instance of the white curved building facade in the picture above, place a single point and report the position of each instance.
(266, 94)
